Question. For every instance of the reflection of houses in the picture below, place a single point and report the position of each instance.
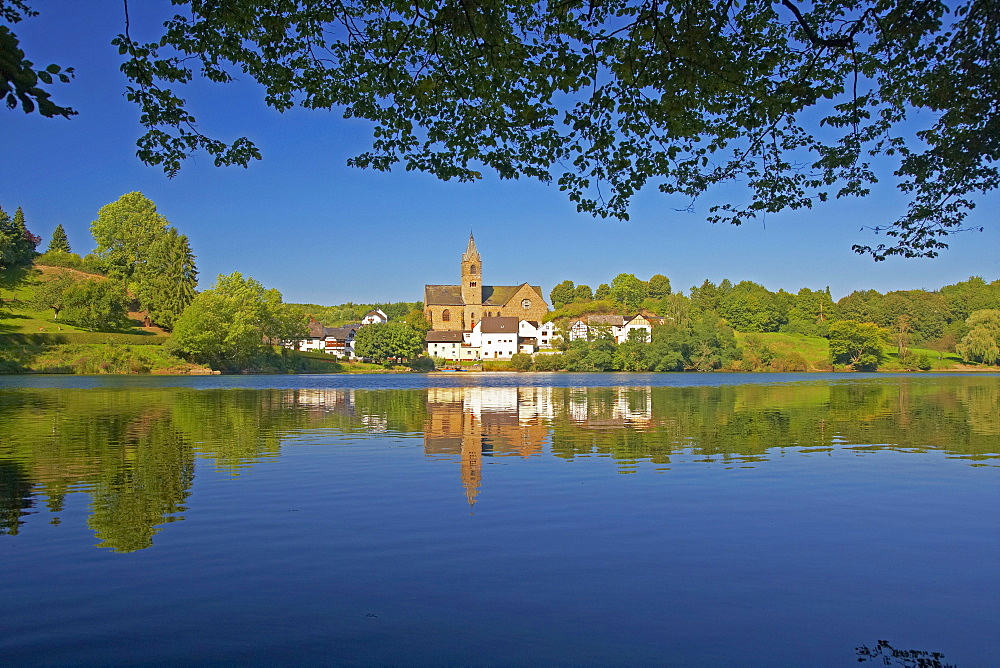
(610, 407)
(477, 422)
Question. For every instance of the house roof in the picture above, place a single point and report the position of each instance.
(613, 320)
(498, 325)
(340, 333)
(453, 336)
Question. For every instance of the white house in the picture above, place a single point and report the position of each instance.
(498, 336)
(337, 341)
(445, 344)
(375, 317)
(579, 330)
(616, 325)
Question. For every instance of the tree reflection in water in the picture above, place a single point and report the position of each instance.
(134, 452)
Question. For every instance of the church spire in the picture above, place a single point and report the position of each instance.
(470, 251)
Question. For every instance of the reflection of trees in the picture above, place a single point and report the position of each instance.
(15, 497)
(134, 451)
(745, 422)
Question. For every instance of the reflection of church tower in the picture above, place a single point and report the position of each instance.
(472, 457)
(472, 282)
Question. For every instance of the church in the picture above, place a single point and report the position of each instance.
(460, 307)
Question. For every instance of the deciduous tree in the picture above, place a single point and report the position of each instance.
(391, 340)
(858, 344)
(233, 324)
(124, 230)
(982, 343)
(100, 305)
(802, 103)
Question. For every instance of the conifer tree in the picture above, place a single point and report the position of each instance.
(17, 244)
(167, 279)
(59, 243)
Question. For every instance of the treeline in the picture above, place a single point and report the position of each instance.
(350, 313)
(934, 319)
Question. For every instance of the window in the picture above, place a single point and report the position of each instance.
(446, 315)
(472, 284)
(472, 268)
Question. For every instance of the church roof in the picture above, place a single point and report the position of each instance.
(451, 295)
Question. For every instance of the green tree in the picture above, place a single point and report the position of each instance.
(562, 294)
(418, 321)
(125, 230)
(982, 343)
(706, 344)
(602, 293)
(628, 290)
(750, 307)
(232, 325)
(52, 294)
(796, 101)
(658, 286)
(860, 345)
(17, 244)
(583, 294)
(167, 278)
(391, 340)
(59, 243)
(100, 305)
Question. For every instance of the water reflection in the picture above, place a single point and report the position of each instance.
(134, 452)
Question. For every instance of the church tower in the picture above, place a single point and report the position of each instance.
(472, 277)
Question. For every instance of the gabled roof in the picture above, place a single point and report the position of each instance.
(498, 325)
(340, 333)
(500, 295)
(449, 336)
(443, 295)
(493, 295)
(613, 320)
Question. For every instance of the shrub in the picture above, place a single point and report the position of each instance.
(521, 362)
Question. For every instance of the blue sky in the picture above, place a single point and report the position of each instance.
(303, 222)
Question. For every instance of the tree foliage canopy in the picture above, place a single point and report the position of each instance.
(232, 324)
(391, 340)
(801, 102)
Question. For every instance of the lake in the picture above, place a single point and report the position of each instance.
(678, 519)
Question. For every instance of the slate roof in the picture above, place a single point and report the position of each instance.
(444, 337)
(447, 295)
(498, 325)
(340, 333)
(493, 295)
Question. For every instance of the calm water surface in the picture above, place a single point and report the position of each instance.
(675, 519)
